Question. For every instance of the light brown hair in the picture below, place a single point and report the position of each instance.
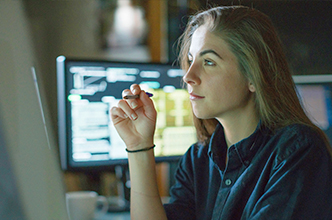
(254, 41)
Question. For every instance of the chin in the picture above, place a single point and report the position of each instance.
(203, 112)
(202, 116)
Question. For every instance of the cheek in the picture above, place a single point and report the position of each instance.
(230, 89)
(223, 85)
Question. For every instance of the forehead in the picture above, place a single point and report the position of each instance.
(204, 39)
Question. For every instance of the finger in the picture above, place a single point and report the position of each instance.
(126, 92)
(116, 112)
(128, 111)
(147, 104)
(135, 89)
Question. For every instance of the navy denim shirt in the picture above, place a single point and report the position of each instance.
(282, 175)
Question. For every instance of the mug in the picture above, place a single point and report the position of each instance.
(82, 205)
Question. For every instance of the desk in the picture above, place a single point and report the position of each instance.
(114, 216)
(123, 215)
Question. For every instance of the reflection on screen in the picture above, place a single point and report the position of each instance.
(93, 89)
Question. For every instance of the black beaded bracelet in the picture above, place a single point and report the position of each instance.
(144, 149)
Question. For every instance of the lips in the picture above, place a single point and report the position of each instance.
(193, 96)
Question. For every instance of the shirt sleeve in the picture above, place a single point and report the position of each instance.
(299, 183)
(182, 203)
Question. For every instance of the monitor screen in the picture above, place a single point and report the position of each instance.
(87, 89)
(315, 92)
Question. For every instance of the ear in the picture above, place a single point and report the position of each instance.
(251, 87)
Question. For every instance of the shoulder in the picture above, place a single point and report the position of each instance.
(297, 139)
(299, 134)
(297, 129)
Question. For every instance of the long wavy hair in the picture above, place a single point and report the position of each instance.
(253, 39)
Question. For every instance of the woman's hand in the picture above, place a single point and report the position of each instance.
(135, 119)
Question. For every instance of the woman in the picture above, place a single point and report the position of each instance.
(258, 154)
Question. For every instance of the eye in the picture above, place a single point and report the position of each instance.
(209, 63)
(189, 61)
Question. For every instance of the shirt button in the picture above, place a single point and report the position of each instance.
(228, 182)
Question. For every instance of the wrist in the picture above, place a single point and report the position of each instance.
(139, 145)
(141, 149)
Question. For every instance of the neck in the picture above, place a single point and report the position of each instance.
(239, 127)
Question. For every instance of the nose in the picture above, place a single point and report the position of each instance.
(192, 77)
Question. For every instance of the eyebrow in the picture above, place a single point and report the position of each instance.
(202, 53)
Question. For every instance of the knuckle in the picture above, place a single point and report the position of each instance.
(126, 92)
(134, 87)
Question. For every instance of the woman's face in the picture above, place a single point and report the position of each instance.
(217, 88)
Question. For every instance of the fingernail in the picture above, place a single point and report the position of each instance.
(134, 116)
(125, 115)
(133, 104)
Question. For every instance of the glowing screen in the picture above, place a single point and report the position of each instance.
(316, 100)
(91, 88)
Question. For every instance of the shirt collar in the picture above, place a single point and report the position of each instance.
(240, 153)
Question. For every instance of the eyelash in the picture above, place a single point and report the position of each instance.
(205, 62)
(209, 63)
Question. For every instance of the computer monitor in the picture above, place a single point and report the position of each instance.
(315, 92)
(87, 89)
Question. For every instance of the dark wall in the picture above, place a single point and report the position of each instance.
(305, 28)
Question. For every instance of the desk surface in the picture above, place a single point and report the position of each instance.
(122, 215)
(114, 216)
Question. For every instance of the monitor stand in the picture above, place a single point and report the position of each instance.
(121, 203)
